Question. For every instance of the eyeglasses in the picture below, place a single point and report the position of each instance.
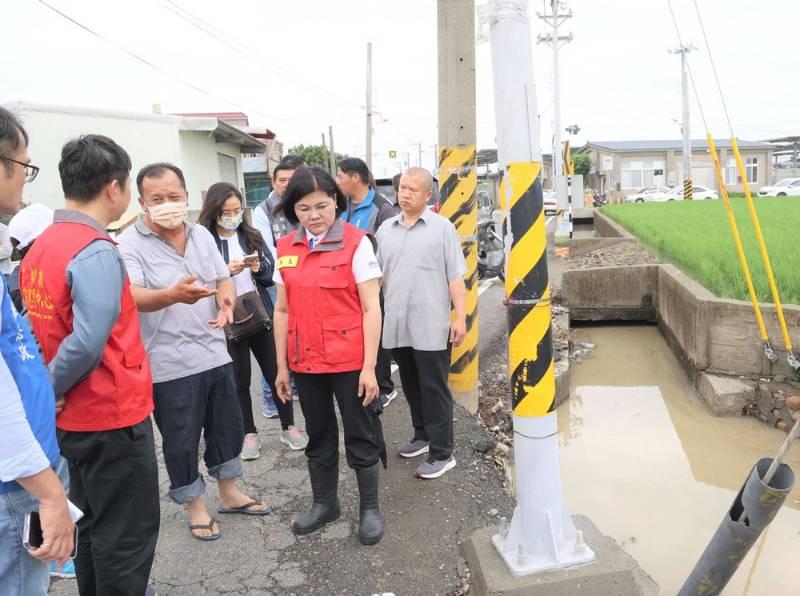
(30, 171)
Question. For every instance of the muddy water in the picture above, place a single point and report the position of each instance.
(642, 457)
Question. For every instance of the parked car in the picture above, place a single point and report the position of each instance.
(789, 187)
(647, 193)
(698, 193)
(550, 202)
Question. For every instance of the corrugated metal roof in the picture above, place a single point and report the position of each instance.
(667, 145)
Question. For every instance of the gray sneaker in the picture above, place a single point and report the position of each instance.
(414, 448)
(434, 469)
(250, 449)
(294, 438)
(387, 398)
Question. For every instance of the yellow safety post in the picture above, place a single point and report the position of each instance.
(458, 184)
(763, 248)
(687, 189)
(737, 239)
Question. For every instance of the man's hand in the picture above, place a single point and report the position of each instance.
(367, 385)
(236, 267)
(283, 385)
(186, 292)
(60, 402)
(57, 530)
(458, 330)
(225, 314)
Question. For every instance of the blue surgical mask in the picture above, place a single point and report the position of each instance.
(230, 223)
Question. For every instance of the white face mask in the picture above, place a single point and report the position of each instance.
(168, 215)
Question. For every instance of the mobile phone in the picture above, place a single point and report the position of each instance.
(250, 259)
(33, 538)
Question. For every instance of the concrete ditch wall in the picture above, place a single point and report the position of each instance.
(612, 293)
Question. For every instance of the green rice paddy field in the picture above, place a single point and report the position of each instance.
(696, 236)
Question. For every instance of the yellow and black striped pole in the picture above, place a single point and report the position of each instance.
(458, 182)
(687, 189)
(530, 345)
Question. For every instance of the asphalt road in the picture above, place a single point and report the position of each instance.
(425, 520)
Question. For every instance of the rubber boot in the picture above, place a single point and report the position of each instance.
(325, 507)
(370, 523)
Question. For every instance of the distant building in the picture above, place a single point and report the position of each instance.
(207, 149)
(629, 165)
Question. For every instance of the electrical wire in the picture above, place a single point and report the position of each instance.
(166, 73)
(713, 67)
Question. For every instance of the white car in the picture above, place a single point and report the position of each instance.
(550, 202)
(646, 194)
(789, 187)
(698, 193)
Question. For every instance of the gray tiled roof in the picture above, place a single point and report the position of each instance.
(667, 145)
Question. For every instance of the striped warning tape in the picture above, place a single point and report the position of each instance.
(530, 345)
(458, 183)
(687, 189)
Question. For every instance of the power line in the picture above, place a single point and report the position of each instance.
(240, 48)
(162, 71)
(713, 67)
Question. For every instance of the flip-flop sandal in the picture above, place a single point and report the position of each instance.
(210, 527)
(246, 509)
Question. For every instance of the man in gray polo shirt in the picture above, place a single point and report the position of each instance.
(423, 271)
(185, 297)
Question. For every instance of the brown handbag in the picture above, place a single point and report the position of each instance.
(249, 317)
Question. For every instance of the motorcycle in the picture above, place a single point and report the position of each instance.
(491, 251)
(598, 200)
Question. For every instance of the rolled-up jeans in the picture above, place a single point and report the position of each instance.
(20, 573)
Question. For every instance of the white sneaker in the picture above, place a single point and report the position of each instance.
(294, 438)
(250, 449)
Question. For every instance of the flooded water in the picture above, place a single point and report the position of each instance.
(646, 461)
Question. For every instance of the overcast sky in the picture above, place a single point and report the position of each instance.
(618, 80)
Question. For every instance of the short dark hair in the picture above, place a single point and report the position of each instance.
(305, 181)
(157, 170)
(89, 163)
(356, 165)
(288, 162)
(11, 130)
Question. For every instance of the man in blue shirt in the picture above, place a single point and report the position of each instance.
(30, 464)
(367, 210)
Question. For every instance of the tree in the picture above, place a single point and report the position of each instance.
(315, 155)
(583, 164)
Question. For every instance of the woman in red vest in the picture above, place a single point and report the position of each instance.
(327, 328)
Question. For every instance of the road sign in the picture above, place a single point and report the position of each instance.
(392, 154)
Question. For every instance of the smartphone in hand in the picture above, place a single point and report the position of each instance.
(250, 259)
(33, 537)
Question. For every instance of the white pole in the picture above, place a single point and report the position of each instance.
(369, 106)
(558, 166)
(687, 138)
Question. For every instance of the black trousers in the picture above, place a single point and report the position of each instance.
(383, 366)
(363, 434)
(203, 403)
(262, 345)
(424, 378)
(114, 481)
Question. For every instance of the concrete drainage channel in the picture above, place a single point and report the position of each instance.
(716, 340)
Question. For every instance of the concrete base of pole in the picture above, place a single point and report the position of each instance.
(467, 399)
(614, 572)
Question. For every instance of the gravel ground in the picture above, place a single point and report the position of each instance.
(618, 255)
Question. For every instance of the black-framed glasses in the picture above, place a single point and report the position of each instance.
(31, 171)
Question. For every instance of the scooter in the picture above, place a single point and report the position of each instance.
(598, 200)
(491, 251)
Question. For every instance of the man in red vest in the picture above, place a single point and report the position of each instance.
(82, 311)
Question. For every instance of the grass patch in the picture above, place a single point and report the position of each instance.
(696, 236)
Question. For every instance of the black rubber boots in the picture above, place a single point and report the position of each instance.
(370, 523)
(325, 507)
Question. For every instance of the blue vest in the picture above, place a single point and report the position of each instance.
(21, 354)
(360, 215)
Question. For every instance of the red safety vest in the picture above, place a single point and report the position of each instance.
(119, 392)
(325, 316)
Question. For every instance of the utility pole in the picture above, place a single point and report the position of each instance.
(419, 161)
(541, 535)
(332, 155)
(554, 20)
(369, 106)
(683, 50)
(458, 174)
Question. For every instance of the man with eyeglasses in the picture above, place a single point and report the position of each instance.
(6, 248)
(32, 473)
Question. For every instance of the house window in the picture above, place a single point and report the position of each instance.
(639, 173)
(750, 168)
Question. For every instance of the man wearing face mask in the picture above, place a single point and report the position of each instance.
(185, 296)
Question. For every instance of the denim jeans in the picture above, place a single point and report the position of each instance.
(20, 573)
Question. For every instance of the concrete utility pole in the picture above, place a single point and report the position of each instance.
(458, 174)
(683, 50)
(542, 535)
(332, 156)
(369, 106)
(555, 19)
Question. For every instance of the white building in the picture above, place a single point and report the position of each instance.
(207, 149)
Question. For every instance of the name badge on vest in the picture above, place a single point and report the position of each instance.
(288, 261)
